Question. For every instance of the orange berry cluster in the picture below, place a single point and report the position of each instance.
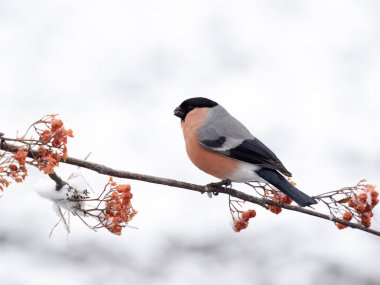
(242, 222)
(47, 160)
(13, 168)
(361, 205)
(281, 198)
(52, 143)
(119, 210)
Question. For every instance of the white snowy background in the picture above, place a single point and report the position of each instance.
(303, 76)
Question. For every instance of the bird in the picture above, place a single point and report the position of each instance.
(223, 147)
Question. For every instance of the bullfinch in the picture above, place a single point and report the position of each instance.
(221, 146)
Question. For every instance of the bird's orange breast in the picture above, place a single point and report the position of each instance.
(210, 162)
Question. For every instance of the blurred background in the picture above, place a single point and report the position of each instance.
(303, 76)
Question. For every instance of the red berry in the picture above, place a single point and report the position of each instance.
(366, 221)
(286, 200)
(248, 215)
(347, 216)
(374, 194)
(340, 226)
(275, 209)
(240, 225)
(362, 197)
(361, 208)
(13, 167)
(352, 203)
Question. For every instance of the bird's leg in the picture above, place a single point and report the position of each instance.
(223, 183)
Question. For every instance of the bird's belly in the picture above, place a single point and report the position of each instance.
(218, 165)
(210, 162)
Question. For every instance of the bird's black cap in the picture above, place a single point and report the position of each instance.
(192, 103)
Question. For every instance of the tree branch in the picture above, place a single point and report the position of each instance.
(102, 169)
(105, 170)
(58, 181)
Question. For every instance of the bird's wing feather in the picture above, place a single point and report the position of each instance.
(254, 151)
(251, 151)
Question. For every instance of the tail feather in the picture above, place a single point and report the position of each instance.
(280, 182)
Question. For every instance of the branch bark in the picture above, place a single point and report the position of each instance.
(105, 170)
(58, 181)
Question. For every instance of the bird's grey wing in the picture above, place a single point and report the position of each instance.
(221, 124)
(227, 136)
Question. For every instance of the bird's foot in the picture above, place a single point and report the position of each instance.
(225, 182)
(210, 186)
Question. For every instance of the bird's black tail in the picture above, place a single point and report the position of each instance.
(280, 182)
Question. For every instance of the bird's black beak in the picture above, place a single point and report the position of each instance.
(179, 112)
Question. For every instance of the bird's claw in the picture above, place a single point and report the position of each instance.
(223, 183)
